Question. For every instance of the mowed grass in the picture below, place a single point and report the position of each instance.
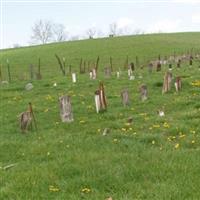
(152, 158)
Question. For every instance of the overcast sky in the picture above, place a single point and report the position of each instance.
(17, 17)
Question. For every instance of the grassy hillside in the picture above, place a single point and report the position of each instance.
(145, 47)
(151, 158)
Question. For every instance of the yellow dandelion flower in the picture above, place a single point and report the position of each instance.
(115, 140)
(166, 125)
(123, 129)
(177, 146)
(193, 141)
(53, 188)
(156, 126)
(127, 124)
(153, 142)
(86, 190)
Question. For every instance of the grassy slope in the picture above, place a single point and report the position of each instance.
(123, 164)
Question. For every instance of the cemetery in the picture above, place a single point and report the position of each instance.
(111, 118)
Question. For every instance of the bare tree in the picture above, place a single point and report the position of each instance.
(138, 31)
(91, 32)
(16, 45)
(59, 32)
(113, 29)
(42, 31)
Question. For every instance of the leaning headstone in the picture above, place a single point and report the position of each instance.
(143, 92)
(167, 82)
(100, 99)
(26, 118)
(125, 97)
(177, 84)
(66, 109)
(29, 86)
(105, 131)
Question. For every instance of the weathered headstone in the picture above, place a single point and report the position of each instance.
(107, 71)
(143, 92)
(100, 99)
(167, 82)
(66, 109)
(29, 86)
(125, 97)
(178, 84)
(26, 118)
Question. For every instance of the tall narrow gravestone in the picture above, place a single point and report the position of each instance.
(143, 92)
(100, 99)
(177, 84)
(66, 109)
(125, 97)
(74, 77)
(167, 82)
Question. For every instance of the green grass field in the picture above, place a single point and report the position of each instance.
(152, 158)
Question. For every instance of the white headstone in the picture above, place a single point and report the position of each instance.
(74, 77)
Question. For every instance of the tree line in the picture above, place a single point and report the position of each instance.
(45, 31)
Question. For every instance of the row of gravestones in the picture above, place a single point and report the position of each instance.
(66, 114)
(108, 70)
